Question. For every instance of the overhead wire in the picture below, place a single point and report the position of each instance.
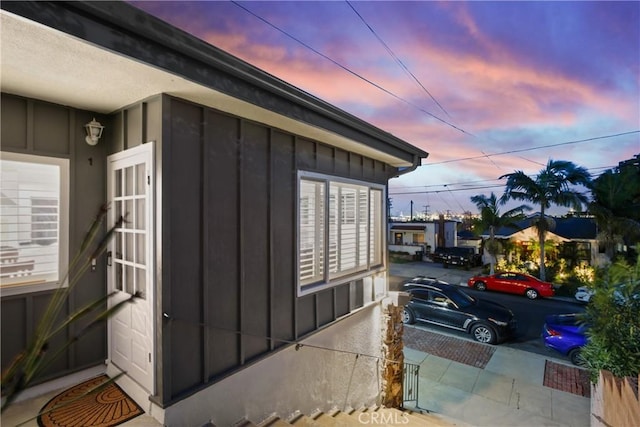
(398, 60)
(348, 70)
(447, 187)
(521, 150)
(454, 198)
(484, 155)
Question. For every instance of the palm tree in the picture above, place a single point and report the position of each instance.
(552, 185)
(491, 218)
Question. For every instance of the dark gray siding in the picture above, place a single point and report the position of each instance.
(227, 243)
(40, 128)
(229, 264)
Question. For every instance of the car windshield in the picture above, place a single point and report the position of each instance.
(460, 298)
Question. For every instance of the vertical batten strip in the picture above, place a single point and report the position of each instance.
(204, 208)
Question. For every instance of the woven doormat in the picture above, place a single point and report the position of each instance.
(567, 378)
(89, 405)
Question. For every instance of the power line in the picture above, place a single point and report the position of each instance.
(388, 92)
(398, 61)
(442, 191)
(448, 186)
(484, 155)
(535, 148)
(454, 198)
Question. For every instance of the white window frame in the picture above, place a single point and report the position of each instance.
(342, 204)
(35, 283)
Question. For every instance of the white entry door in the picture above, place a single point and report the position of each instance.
(130, 263)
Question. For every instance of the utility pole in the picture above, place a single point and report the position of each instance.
(411, 214)
(426, 211)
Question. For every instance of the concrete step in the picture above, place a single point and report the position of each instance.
(375, 416)
(274, 421)
(304, 421)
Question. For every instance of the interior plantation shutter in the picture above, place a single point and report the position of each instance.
(30, 223)
(375, 227)
(311, 243)
(348, 234)
(334, 227)
(363, 226)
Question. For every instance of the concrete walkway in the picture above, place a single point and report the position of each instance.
(508, 391)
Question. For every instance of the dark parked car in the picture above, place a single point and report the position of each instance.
(513, 283)
(457, 255)
(565, 333)
(446, 305)
(422, 281)
(461, 256)
(439, 254)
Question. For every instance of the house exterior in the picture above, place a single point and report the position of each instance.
(412, 237)
(256, 228)
(576, 238)
(468, 239)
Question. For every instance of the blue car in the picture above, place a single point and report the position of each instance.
(565, 333)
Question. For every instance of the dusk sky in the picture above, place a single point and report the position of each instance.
(486, 88)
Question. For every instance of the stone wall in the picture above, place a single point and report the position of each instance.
(392, 376)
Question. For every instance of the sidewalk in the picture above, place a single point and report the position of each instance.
(489, 385)
(505, 388)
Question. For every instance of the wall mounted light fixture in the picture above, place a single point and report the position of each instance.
(94, 131)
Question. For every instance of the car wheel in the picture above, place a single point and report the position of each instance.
(481, 286)
(483, 333)
(576, 357)
(531, 294)
(407, 317)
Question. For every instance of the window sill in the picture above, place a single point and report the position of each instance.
(317, 287)
(11, 290)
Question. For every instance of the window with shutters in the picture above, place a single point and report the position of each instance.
(34, 201)
(339, 221)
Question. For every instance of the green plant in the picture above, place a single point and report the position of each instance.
(553, 185)
(31, 362)
(613, 317)
(491, 219)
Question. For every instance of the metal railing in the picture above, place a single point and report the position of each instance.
(410, 383)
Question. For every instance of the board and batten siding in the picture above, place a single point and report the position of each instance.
(40, 128)
(229, 231)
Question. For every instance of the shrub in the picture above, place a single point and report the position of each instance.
(613, 317)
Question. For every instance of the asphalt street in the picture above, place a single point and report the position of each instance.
(530, 314)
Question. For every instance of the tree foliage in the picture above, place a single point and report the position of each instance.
(616, 207)
(552, 186)
(491, 219)
(613, 317)
(55, 321)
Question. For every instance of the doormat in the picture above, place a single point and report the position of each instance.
(567, 378)
(89, 404)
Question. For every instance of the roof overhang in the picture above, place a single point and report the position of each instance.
(103, 57)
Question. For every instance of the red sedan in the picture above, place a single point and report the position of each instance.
(513, 283)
